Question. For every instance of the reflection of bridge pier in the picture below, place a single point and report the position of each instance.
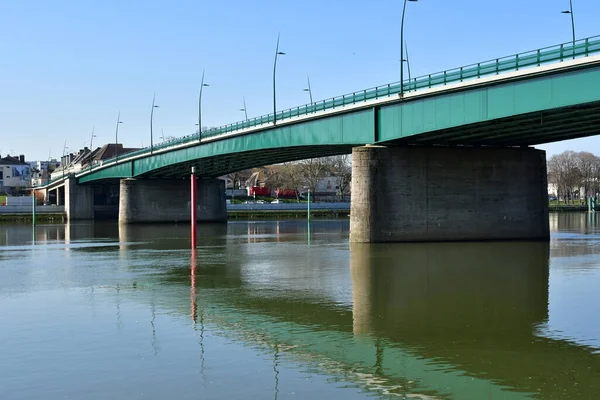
(170, 236)
(476, 306)
(424, 290)
(75, 231)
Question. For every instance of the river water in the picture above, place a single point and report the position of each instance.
(267, 310)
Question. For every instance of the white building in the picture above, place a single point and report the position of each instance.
(15, 174)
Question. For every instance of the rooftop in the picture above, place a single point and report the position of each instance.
(13, 160)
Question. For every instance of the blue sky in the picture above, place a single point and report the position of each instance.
(68, 66)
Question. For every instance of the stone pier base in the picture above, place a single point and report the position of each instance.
(79, 200)
(407, 194)
(168, 200)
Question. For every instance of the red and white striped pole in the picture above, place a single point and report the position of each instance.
(193, 206)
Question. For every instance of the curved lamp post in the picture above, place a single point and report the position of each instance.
(202, 85)
(92, 139)
(407, 60)
(570, 11)
(245, 110)
(151, 124)
(65, 148)
(117, 137)
(92, 147)
(277, 53)
(308, 89)
(402, 48)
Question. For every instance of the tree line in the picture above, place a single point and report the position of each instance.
(303, 174)
(573, 175)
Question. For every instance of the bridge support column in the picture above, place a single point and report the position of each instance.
(79, 200)
(407, 194)
(60, 191)
(168, 200)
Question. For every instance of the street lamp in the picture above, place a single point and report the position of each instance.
(92, 147)
(308, 89)
(63, 161)
(402, 48)
(245, 110)
(151, 125)
(92, 139)
(202, 85)
(407, 60)
(277, 53)
(570, 11)
(117, 137)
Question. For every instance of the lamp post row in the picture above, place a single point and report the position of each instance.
(403, 44)
(403, 50)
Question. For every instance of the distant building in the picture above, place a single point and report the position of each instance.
(73, 163)
(15, 174)
(328, 188)
(41, 171)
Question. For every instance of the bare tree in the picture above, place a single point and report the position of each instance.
(236, 178)
(290, 177)
(587, 164)
(341, 167)
(274, 178)
(313, 170)
(564, 172)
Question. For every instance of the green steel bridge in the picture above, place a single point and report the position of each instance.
(531, 98)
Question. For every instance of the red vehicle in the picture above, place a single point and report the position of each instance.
(286, 193)
(260, 191)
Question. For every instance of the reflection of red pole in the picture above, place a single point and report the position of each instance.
(194, 304)
(194, 207)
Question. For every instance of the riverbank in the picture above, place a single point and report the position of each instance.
(42, 218)
(248, 214)
(285, 214)
(231, 214)
(568, 208)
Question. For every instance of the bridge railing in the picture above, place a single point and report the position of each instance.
(51, 181)
(558, 53)
(535, 58)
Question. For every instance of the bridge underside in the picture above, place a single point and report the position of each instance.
(212, 167)
(519, 130)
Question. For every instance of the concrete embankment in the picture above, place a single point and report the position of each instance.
(568, 208)
(56, 214)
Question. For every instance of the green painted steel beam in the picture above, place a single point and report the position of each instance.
(121, 170)
(341, 130)
(529, 127)
(487, 104)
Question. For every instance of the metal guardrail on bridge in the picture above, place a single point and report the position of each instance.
(548, 55)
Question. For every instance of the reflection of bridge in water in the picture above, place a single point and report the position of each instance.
(444, 320)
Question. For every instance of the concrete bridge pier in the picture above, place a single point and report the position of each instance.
(412, 194)
(60, 196)
(168, 200)
(79, 200)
